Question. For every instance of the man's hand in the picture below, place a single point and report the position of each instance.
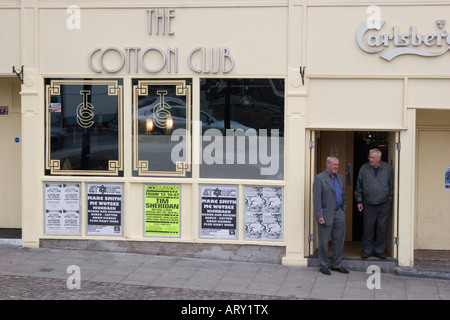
(360, 207)
(321, 220)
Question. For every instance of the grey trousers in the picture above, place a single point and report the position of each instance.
(375, 225)
(337, 233)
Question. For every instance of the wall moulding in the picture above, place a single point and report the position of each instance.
(120, 4)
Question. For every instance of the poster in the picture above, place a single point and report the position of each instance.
(218, 209)
(447, 178)
(263, 213)
(54, 107)
(3, 110)
(104, 209)
(62, 208)
(162, 210)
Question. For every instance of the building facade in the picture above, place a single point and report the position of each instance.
(197, 128)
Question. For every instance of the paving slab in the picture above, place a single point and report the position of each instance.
(117, 275)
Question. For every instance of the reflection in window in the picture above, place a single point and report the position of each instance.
(84, 127)
(162, 126)
(242, 128)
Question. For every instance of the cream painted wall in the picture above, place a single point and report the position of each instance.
(10, 157)
(355, 103)
(257, 48)
(432, 201)
(10, 37)
(333, 49)
(428, 94)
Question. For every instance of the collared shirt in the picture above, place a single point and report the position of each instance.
(337, 189)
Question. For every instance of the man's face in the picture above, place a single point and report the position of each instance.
(374, 159)
(333, 166)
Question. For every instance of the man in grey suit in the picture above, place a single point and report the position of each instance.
(330, 203)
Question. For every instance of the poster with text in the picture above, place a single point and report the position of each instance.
(62, 208)
(104, 209)
(162, 210)
(447, 178)
(218, 209)
(263, 213)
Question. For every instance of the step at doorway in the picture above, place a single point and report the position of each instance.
(352, 259)
(10, 236)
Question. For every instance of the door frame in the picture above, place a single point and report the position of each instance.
(394, 160)
(310, 241)
(313, 156)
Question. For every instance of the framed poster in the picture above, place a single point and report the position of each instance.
(218, 211)
(62, 208)
(162, 210)
(263, 213)
(104, 209)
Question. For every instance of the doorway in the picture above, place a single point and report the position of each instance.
(10, 158)
(352, 149)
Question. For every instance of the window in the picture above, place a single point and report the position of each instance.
(242, 128)
(162, 126)
(84, 127)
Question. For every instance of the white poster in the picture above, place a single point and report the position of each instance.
(104, 209)
(218, 209)
(263, 213)
(62, 208)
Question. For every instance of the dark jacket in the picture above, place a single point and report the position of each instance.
(371, 189)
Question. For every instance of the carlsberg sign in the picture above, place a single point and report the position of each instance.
(371, 39)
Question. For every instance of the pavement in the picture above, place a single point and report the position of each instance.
(63, 274)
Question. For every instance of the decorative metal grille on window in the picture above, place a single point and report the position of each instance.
(84, 127)
(162, 127)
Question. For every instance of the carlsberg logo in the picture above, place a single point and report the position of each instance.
(412, 42)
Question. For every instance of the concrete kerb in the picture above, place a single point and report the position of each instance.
(413, 272)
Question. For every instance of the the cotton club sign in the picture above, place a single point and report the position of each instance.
(393, 43)
(153, 59)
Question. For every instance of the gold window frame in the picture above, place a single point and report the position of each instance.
(114, 89)
(181, 89)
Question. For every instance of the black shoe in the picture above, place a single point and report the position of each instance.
(380, 255)
(340, 269)
(365, 256)
(325, 271)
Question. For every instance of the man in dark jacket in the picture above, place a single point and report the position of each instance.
(374, 192)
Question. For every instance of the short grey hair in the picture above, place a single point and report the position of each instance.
(330, 158)
(375, 151)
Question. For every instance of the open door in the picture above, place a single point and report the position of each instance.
(340, 144)
(321, 145)
(352, 148)
(311, 243)
(394, 154)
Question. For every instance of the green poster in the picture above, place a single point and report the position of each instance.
(162, 210)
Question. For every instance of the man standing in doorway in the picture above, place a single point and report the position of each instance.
(330, 203)
(374, 192)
